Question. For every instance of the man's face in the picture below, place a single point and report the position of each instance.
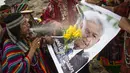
(25, 27)
(91, 33)
(5, 13)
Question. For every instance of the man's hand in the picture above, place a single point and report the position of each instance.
(125, 24)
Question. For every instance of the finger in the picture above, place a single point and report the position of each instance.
(37, 44)
(37, 40)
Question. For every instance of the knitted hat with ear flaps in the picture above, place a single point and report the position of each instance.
(13, 20)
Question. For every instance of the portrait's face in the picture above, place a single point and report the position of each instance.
(91, 33)
(25, 26)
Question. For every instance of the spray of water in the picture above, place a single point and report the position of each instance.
(46, 29)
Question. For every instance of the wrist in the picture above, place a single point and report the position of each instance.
(32, 50)
(30, 54)
(29, 60)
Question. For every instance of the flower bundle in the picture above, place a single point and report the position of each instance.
(72, 33)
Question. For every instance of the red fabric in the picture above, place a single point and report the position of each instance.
(52, 12)
(104, 61)
(123, 9)
(124, 68)
(46, 15)
(71, 12)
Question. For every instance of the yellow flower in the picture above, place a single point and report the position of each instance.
(68, 31)
(74, 28)
(72, 32)
(77, 34)
(67, 36)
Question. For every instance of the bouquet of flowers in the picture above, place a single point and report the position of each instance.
(71, 34)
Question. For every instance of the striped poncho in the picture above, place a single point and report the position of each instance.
(14, 60)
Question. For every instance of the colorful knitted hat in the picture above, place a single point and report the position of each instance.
(21, 7)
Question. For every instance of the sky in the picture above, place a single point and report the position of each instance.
(2, 2)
